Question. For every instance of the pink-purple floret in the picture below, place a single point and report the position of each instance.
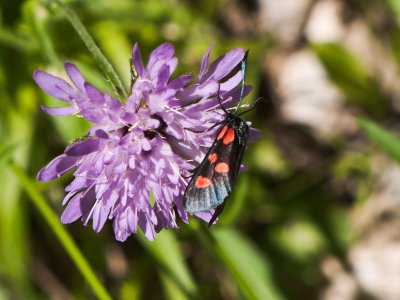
(144, 147)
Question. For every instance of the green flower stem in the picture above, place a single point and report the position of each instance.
(63, 236)
(105, 65)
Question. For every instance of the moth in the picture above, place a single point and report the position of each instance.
(214, 179)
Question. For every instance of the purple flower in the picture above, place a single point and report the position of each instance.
(133, 165)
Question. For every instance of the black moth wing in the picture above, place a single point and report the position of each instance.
(198, 199)
(213, 180)
(239, 145)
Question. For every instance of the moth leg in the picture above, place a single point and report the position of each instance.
(208, 129)
(191, 175)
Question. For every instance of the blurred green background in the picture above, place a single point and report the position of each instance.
(316, 216)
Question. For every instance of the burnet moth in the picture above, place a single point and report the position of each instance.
(214, 179)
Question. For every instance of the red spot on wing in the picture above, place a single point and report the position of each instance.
(213, 157)
(222, 132)
(229, 136)
(222, 168)
(202, 182)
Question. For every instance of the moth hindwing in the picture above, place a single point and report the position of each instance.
(214, 178)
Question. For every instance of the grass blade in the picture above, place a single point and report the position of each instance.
(385, 140)
(246, 264)
(61, 233)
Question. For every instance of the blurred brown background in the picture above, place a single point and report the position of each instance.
(317, 214)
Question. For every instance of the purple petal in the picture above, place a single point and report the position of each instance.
(83, 148)
(75, 75)
(101, 188)
(101, 134)
(78, 183)
(73, 210)
(181, 211)
(254, 134)
(122, 225)
(155, 68)
(175, 130)
(173, 177)
(132, 103)
(94, 94)
(79, 205)
(98, 166)
(196, 92)
(68, 197)
(57, 167)
(179, 82)
(233, 96)
(163, 76)
(162, 53)
(152, 123)
(102, 211)
(99, 217)
(223, 65)
(145, 144)
(231, 82)
(206, 215)
(60, 111)
(204, 61)
(147, 227)
(112, 103)
(132, 219)
(93, 115)
(137, 60)
(172, 63)
(243, 168)
(54, 86)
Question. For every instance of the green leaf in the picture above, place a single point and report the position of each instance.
(350, 76)
(237, 203)
(18, 134)
(301, 238)
(6, 152)
(385, 140)
(116, 46)
(172, 290)
(70, 247)
(165, 249)
(394, 5)
(246, 263)
(37, 16)
(95, 51)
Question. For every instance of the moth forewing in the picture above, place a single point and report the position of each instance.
(214, 179)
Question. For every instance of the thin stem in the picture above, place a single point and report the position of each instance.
(99, 57)
(63, 236)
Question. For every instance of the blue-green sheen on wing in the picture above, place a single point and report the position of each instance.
(213, 195)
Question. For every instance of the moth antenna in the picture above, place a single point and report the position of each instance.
(254, 106)
(218, 113)
(244, 62)
(205, 130)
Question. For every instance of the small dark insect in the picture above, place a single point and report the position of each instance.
(213, 180)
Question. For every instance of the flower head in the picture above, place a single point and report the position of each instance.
(133, 164)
